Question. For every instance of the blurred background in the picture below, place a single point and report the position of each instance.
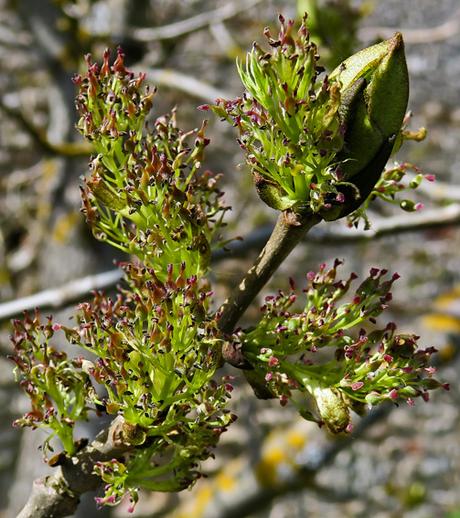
(398, 461)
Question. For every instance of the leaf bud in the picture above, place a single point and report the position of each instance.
(374, 95)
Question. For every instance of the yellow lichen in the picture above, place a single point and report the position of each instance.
(266, 469)
(296, 439)
(225, 482)
(441, 322)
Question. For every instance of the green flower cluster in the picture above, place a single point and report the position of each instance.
(59, 390)
(288, 122)
(318, 350)
(146, 194)
(318, 145)
(155, 357)
(153, 351)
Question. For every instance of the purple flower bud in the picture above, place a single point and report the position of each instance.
(273, 361)
(393, 394)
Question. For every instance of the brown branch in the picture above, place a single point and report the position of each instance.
(285, 236)
(425, 35)
(68, 149)
(289, 230)
(195, 23)
(59, 495)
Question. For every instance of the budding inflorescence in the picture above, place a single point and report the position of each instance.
(60, 392)
(332, 350)
(288, 121)
(154, 349)
(146, 193)
(318, 144)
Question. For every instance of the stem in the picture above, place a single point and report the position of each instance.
(59, 494)
(289, 230)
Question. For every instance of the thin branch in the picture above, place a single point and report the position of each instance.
(428, 219)
(438, 191)
(187, 84)
(195, 23)
(425, 35)
(338, 233)
(288, 231)
(68, 149)
(60, 296)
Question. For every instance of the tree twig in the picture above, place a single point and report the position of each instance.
(68, 149)
(402, 223)
(59, 494)
(62, 295)
(195, 23)
(289, 230)
(425, 35)
(187, 84)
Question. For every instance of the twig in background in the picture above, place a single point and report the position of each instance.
(72, 291)
(59, 297)
(68, 149)
(438, 191)
(441, 32)
(183, 27)
(425, 220)
(187, 84)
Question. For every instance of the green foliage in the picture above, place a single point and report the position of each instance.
(372, 123)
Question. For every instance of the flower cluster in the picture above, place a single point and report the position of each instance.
(60, 391)
(392, 183)
(318, 145)
(153, 359)
(146, 194)
(288, 122)
(157, 357)
(318, 349)
(153, 350)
